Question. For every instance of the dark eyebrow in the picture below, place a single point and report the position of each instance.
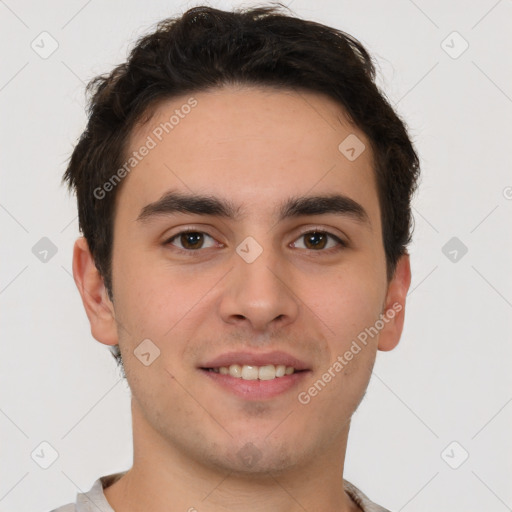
(176, 202)
(337, 204)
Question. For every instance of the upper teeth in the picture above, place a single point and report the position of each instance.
(249, 372)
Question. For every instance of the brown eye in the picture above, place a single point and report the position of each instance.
(319, 240)
(189, 240)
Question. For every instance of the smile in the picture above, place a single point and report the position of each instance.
(251, 372)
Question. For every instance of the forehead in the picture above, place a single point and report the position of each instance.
(255, 146)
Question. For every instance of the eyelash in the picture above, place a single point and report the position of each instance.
(190, 252)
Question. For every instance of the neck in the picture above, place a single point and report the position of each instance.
(162, 476)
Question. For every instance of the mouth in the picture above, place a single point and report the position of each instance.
(253, 376)
(252, 372)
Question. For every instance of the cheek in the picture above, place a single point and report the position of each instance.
(348, 303)
(159, 301)
(140, 300)
(349, 306)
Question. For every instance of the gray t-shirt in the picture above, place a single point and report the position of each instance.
(95, 500)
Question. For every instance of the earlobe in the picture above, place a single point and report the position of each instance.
(90, 284)
(394, 309)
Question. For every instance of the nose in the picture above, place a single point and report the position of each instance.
(259, 294)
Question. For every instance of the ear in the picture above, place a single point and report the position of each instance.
(97, 304)
(394, 308)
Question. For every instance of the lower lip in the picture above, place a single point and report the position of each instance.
(257, 389)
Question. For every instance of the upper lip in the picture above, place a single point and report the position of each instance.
(256, 359)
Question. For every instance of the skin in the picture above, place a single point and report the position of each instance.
(187, 431)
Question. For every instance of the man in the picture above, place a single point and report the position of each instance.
(244, 194)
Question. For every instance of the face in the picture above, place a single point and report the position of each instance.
(274, 284)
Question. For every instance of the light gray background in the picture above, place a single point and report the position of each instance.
(448, 380)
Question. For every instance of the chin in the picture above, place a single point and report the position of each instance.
(257, 459)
